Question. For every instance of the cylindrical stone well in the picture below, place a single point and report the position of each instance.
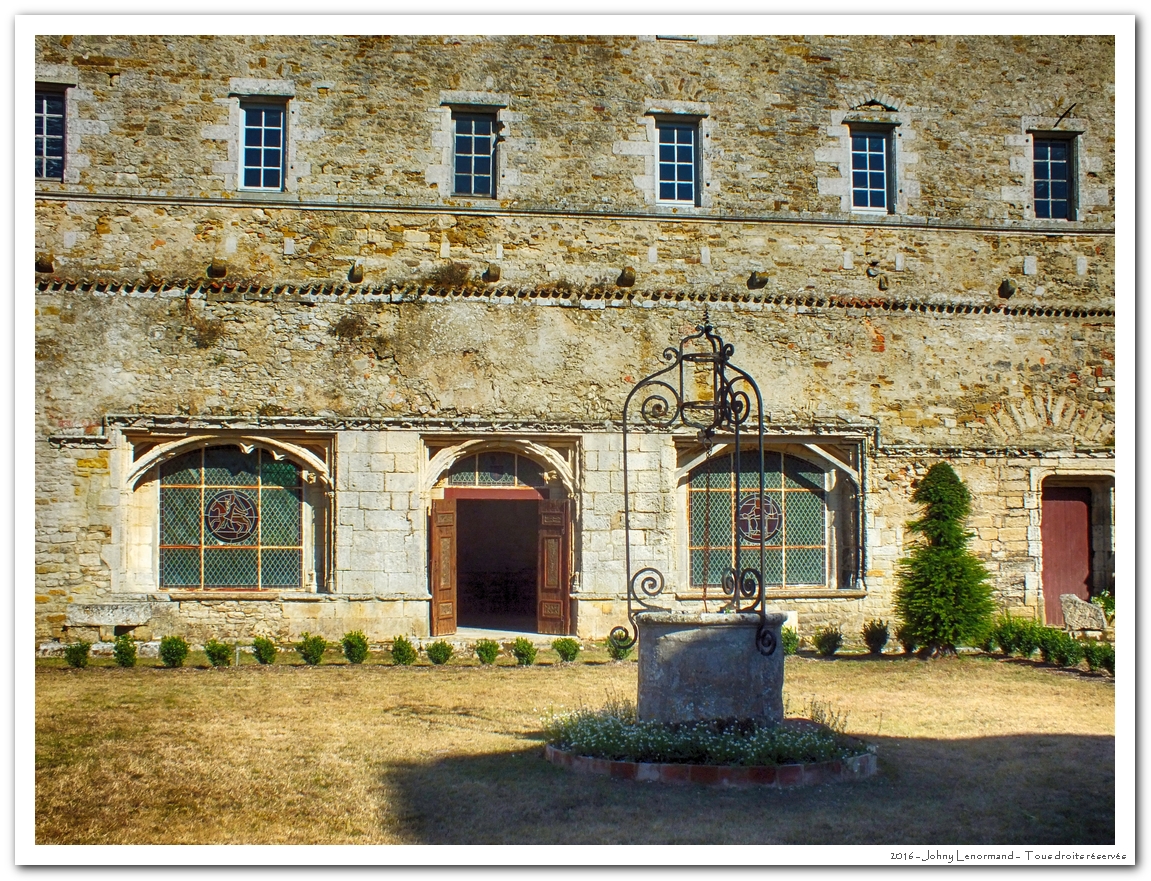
(694, 667)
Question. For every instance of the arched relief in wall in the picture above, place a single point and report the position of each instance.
(306, 459)
(1045, 411)
(557, 469)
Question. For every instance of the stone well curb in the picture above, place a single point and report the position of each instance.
(774, 776)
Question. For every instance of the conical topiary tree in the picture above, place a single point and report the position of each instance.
(943, 597)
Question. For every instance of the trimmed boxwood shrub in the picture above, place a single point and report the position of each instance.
(618, 652)
(264, 650)
(124, 650)
(567, 648)
(403, 652)
(943, 597)
(827, 641)
(76, 653)
(487, 650)
(311, 648)
(219, 654)
(355, 646)
(875, 636)
(1099, 654)
(173, 651)
(439, 652)
(790, 640)
(523, 651)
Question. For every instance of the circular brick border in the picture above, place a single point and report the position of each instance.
(775, 776)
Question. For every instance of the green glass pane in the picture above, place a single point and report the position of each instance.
(802, 474)
(463, 472)
(718, 519)
(804, 516)
(529, 473)
(805, 566)
(179, 517)
(773, 568)
(697, 502)
(228, 567)
(280, 568)
(183, 469)
(179, 567)
(229, 466)
(714, 473)
(749, 469)
(697, 568)
(280, 517)
(496, 469)
(282, 473)
(716, 565)
(231, 517)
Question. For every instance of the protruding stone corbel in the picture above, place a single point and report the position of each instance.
(217, 268)
(627, 277)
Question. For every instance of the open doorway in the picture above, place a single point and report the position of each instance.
(496, 563)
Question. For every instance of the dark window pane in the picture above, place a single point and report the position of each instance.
(878, 199)
(463, 184)
(54, 168)
(251, 177)
(251, 157)
(666, 190)
(666, 152)
(482, 186)
(271, 159)
(272, 178)
(666, 135)
(859, 198)
(859, 161)
(686, 192)
(876, 180)
(666, 172)
(1042, 210)
(54, 125)
(1041, 150)
(252, 137)
(1059, 210)
(1042, 190)
(482, 165)
(859, 178)
(858, 142)
(1058, 150)
(271, 137)
(1059, 189)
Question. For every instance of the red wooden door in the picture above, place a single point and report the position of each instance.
(552, 568)
(1066, 531)
(443, 567)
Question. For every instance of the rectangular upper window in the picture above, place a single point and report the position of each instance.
(1054, 180)
(475, 136)
(872, 177)
(50, 134)
(678, 161)
(262, 159)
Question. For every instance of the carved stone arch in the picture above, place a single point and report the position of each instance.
(279, 450)
(544, 456)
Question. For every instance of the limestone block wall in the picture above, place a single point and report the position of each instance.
(380, 541)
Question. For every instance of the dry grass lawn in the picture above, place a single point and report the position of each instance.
(972, 751)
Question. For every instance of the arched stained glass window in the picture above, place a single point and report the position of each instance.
(230, 519)
(496, 469)
(792, 516)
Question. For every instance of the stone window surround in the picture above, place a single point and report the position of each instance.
(441, 175)
(646, 145)
(65, 78)
(55, 91)
(1021, 153)
(900, 122)
(136, 532)
(838, 478)
(1101, 481)
(242, 90)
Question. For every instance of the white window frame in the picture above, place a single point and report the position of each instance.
(1071, 139)
(665, 124)
(43, 92)
(490, 114)
(263, 104)
(890, 184)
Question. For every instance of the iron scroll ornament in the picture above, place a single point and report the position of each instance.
(734, 405)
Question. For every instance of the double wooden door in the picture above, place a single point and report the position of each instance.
(552, 567)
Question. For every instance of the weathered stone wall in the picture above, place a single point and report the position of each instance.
(366, 113)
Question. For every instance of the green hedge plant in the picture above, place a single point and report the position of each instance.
(173, 651)
(487, 650)
(404, 653)
(311, 648)
(567, 649)
(124, 650)
(219, 654)
(355, 646)
(439, 652)
(790, 640)
(523, 651)
(1099, 655)
(875, 636)
(76, 653)
(828, 641)
(264, 650)
(906, 639)
(943, 596)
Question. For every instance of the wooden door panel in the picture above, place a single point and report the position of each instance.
(552, 605)
(444, 601)
(1066, 532)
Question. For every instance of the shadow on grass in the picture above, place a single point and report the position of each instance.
(1022, 789)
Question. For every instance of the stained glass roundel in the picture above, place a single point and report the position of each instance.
(754, 516)
(231, 516)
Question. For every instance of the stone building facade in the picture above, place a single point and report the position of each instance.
(335, 333)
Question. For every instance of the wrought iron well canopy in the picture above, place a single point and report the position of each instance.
(731, 404)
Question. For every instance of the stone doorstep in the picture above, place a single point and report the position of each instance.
(774, 776)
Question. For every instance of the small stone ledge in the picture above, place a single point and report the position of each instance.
(216, 596)
(772, 776)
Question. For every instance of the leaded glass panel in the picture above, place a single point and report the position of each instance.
(792, 516)
(529, 473)
(496, 469)
(230, 519)
(463, 472)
